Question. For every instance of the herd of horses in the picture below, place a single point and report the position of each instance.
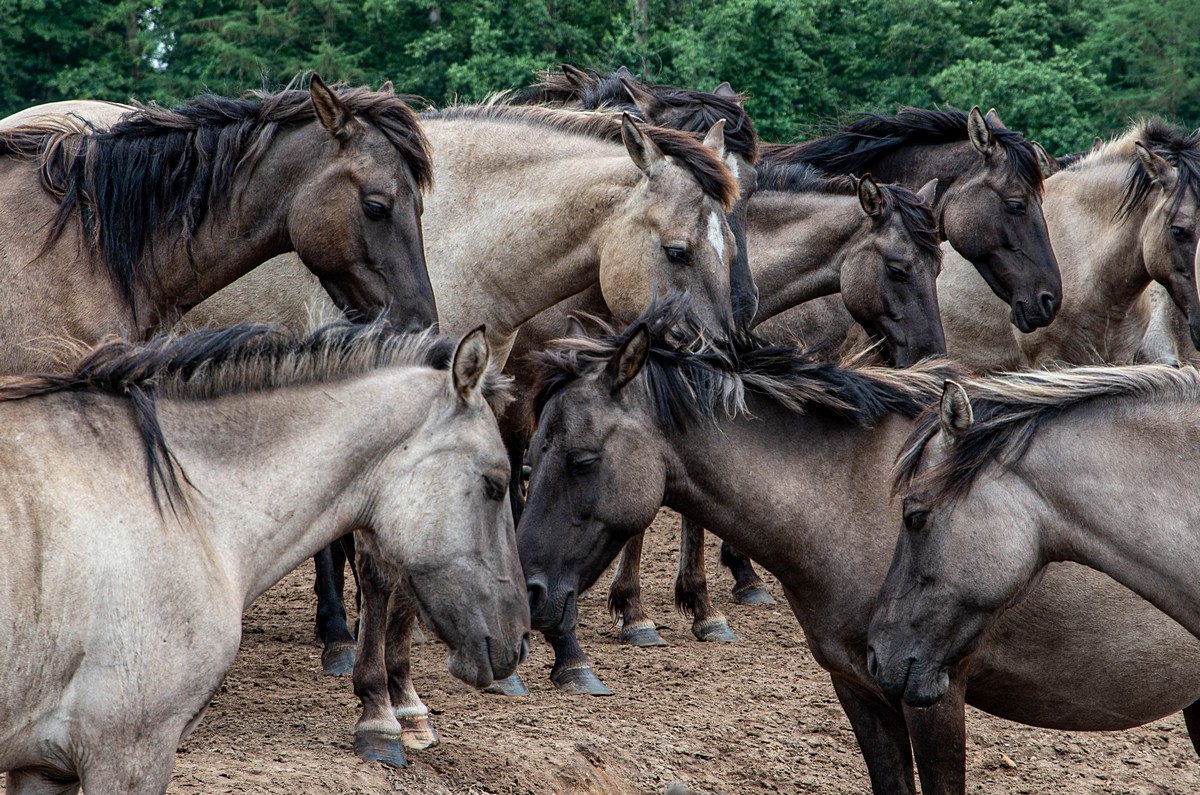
(998, 376)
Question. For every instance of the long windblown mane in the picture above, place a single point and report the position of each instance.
(691, 378)
(853, 148)
(916, 216)
(1175, 145)
(703, 163)
(240, 359)
(682, 108)
(163, 169)
(1010, 409)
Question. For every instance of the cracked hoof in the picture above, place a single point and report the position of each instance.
(376, 747)
(508, 686)
(579, 681)
(643, 633)
(338, 660)
(755, 594)
(417, 732)
(714, 630)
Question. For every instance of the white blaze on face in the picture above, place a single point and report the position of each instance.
(731, 162)
(715, 235)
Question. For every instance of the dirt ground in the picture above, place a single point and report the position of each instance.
(758, 716)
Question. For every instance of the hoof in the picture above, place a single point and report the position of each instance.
(417, 732)
(385, 748)
(755, 594)
(714, 630)
(338, 660)
(579, 681)
(508, 686)
(418, 635)
(642, 633)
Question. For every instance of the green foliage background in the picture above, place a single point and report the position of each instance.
(1063, 71)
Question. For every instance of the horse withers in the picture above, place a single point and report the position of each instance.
(154, 493)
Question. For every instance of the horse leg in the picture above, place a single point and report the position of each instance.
(882, 738)
(139, 767)
(691, 589)
(39, 782)
(377, 734)
(337, 656)
(1191, 719)
(939, 741)
(572, 671)
(416, 728)
(625, 598)
(748, 587)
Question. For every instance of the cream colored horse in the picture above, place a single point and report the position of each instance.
(122, 598)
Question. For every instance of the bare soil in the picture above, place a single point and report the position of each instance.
(757, 716)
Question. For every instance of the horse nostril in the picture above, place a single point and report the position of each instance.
(1048, 304)
(872, 663)
(538, 593)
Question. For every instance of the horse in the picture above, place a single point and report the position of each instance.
(677, 108)
(810, 234)
(124, 582)
(1011, 474)
(989, 193)
(127, 227)
(1121, 218)
(788, 458)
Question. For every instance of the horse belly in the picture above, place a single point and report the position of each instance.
(1085, 653)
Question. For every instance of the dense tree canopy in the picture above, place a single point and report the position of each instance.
(1063, 71)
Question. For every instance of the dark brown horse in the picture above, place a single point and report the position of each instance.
(127, 228)
(789, 458)
(989, 193)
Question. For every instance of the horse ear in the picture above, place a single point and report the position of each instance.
(869, 196)
(387, 88)
(1160, 171)
(470, 364)
(629, 359)
(928, 193)
(1099, 142)
(648, 104)
(576, 76)
(714, 139)
(1047, 164)
(955, 414)
(644, 152)
(334, 114)
(574, 327)
(993, 119)
(725, 91)
(980, 132)
(623, 71)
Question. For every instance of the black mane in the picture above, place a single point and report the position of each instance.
(1175, 145)
(853, 148)
(690, 378)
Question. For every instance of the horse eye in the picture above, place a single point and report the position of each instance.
(580, 465)
(896, 274)
(915, 520)
(677, 254)
(494, 489)
(1180, 234)
(375, 210)
(1014, 207)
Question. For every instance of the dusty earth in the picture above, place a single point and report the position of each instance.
(758, 716)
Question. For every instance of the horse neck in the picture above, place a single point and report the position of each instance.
(914, 165)
(246, 226)
(1100, 259)
(794, 492)
(300, 458)
(796, 244)
(1148, 545)
(516, 218)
